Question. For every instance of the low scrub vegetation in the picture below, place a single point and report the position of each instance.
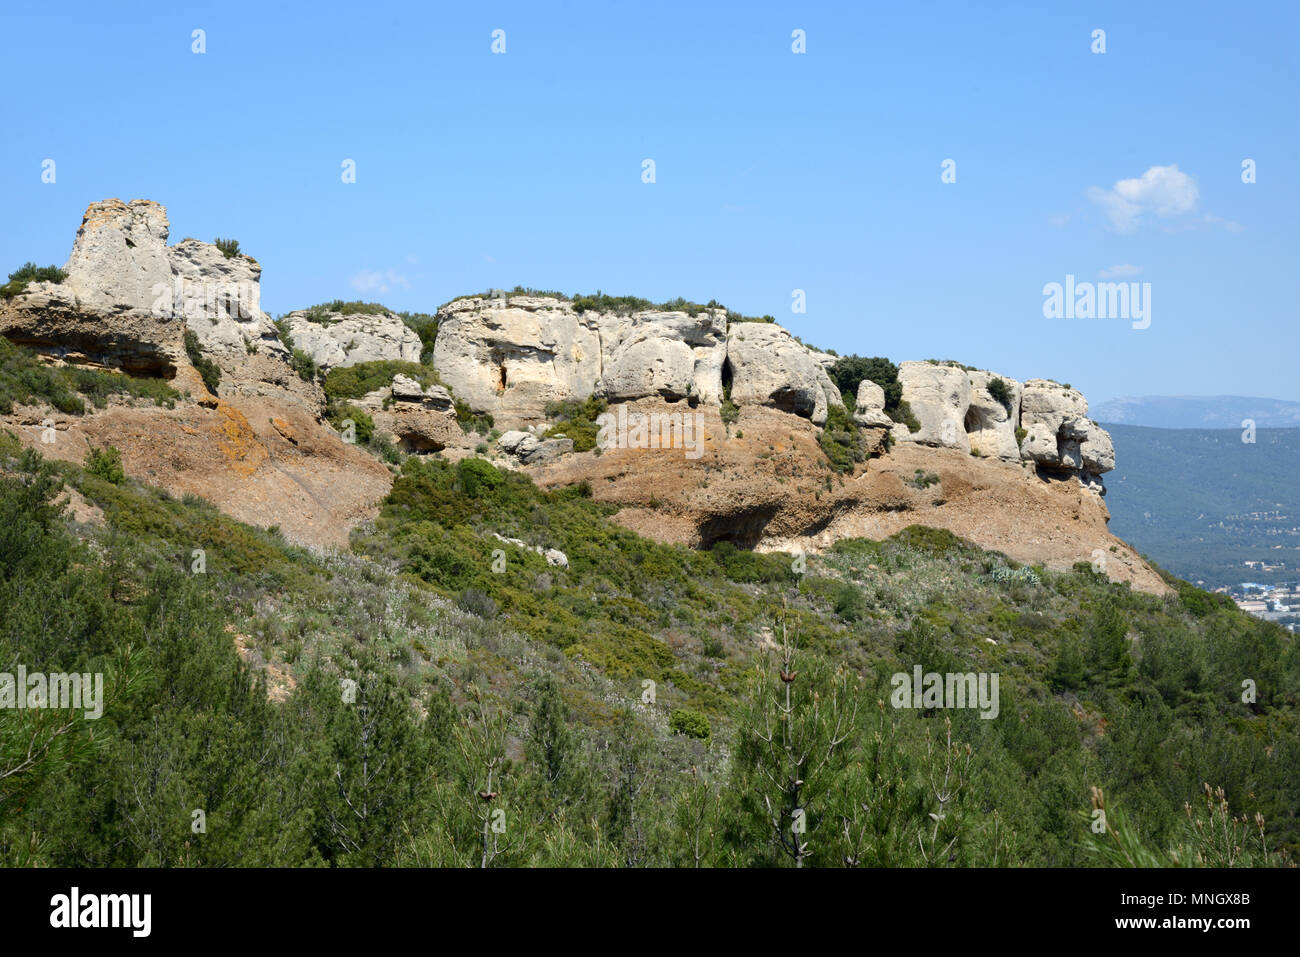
(28, 273)
(577, 421)
(25, 379)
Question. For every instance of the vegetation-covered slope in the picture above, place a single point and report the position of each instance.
(621, 710)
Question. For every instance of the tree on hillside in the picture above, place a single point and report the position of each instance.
(794, 739)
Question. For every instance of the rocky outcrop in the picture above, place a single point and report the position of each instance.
(1058, 434)
(770, 367)
(413, 417)
(672, 355)
(510, 358)
(531, 449)
(333, 340)
(991, 420)
(553, 556)
(869, 411)
(939, 395)
(102, 313)
(129, 299)
(1041, 422)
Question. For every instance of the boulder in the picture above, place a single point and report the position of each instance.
(991, 423)
(939, 396)
(530, 449)
(672, 355)
(770, 367)
(511, 357)
(334, 340)
(869, 410)
(1060, 436)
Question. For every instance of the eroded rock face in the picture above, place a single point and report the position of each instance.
(511, 357)
(770, 367)
(939, 396)
(119, 260)
(102, 313)
(414, 418)
(1059, 433)
(334, 340)
(672, 355)
(220, 300)
(957, 409)
(990, 421)
(869, 410)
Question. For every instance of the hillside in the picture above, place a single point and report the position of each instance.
(549, 580)
(1201, 502)
(610, 710)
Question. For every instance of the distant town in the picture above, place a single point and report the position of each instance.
(1279, 602)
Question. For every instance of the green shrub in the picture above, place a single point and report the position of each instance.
(304, 365)
(320, 311)
(690, 723)
(848, 602)
(730, 411)
(841, 440)
(471, 421)
(106, 463)
(363, 425)
(1001, 392)
(1021, 433)
(477, 477)
(229, 247)
(30, 272)
(923, 479)
(208, 370)
(426, 327)
(577, 421)
(353, 382)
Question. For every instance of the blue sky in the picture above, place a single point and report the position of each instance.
(775, 171)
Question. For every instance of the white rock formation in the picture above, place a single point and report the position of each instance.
(510, 359)
(220, 300)
(770, 367)
(414, 418)
(532, 449)
(1055, 420)
(990, 422)
(869, 410)
(668, 354)
(119, 260)
(939, 396)
(334, 340)
(553, 556)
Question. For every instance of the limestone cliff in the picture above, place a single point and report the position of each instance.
(1013, 466)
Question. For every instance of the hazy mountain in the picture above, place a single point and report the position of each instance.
(1201, 502)
(1198, 412)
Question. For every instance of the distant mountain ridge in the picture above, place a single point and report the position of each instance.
(1198, 412)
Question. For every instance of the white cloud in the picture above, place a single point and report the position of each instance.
(378, 280)
(1120, 272)
(1163, 191)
